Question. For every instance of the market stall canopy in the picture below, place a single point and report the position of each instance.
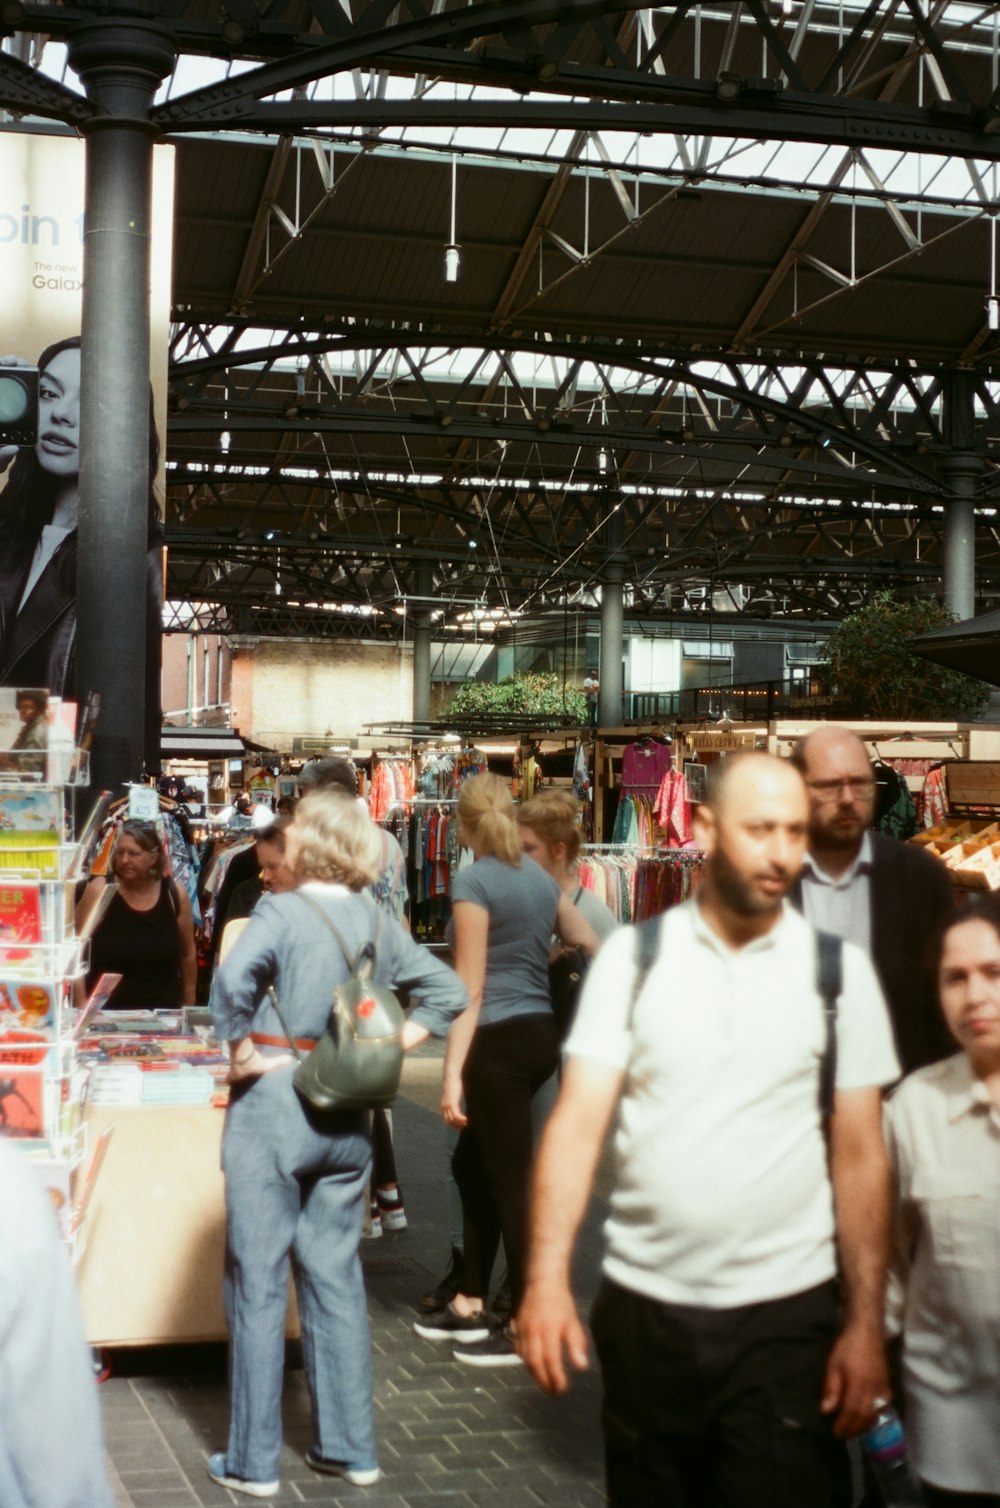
(971, 646)
(202, 743)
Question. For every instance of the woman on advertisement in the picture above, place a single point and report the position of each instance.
(38, 532)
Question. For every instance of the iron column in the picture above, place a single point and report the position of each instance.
(609, 696)
(422, 647)
(121, 63)
(960, 469)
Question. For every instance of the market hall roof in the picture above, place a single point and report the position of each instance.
(720, 307)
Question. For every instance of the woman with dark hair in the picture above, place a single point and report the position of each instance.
(38, 519)
(943, 1134)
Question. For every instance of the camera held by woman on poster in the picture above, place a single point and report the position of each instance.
(18, 407)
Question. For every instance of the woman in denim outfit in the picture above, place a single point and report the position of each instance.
(295, 1178)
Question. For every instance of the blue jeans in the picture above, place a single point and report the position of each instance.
(295, 1187)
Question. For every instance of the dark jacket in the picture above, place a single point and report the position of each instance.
(911, 893)
(37, 647)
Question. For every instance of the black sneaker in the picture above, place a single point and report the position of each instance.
(498, 1350)
(449, 1285)
(446, 1324)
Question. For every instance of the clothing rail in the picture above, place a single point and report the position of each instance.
(622, 848)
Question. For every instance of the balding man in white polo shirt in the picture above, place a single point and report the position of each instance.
(729, 1367)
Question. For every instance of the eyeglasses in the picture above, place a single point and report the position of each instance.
(860, 786)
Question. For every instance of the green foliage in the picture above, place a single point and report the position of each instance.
(529, 692)
(870, 665)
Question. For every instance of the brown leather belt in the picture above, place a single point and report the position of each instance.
(304, 1044)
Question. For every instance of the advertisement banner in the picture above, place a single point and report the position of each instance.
(41, 273)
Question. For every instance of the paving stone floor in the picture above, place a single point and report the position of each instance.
(457, 1436)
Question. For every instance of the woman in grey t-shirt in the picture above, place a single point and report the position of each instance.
(500, 1050)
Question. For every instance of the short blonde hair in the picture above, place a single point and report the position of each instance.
(553, 816)
(486, 811)
(337, 840)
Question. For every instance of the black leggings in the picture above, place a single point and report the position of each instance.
(383, 1155)
(507, 1063)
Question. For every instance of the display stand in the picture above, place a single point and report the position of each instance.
(40, 959)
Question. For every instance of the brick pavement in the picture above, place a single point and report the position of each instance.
(456, 1436)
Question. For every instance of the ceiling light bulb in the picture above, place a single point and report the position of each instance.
(451, 264)
(993, 312)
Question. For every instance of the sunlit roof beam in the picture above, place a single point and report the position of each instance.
(892, 210)
(614, 177)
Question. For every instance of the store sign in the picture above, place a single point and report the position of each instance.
(724, 741)
(310, 745)
(41, 273)
(306, 745)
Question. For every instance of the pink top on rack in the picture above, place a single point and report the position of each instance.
(672, 810)
(644, 764)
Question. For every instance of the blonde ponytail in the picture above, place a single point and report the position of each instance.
(486, 812)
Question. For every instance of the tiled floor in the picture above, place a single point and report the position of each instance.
(450, 1435)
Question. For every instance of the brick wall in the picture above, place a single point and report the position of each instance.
(210, 703)
(283, 688)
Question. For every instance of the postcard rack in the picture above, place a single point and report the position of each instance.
(42, 1083)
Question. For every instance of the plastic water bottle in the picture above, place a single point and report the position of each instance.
(884, 1444)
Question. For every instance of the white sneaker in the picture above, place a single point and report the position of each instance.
(390, 1208)
(373, 1225)
(358, 1476)
(218, 1472)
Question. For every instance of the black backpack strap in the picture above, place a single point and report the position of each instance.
(172, 896)
(829, 983)
(647, 946)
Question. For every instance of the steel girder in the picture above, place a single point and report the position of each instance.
(716, 69)
(713, 474)
(890, 418)
(722, 471)
(684, 60)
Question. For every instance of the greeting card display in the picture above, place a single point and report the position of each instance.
(23, 1057)
(20, 917)
(24, 732)
(28, 1004)
(31, 829)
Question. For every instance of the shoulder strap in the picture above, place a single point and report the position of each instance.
(353, 963)
(171, 885)
(829, 982)
(647, 946)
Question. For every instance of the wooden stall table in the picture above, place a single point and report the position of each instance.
(151, 1272)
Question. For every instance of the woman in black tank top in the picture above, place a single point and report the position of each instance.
(147, 932)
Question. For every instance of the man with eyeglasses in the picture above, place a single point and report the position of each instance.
(884, 895)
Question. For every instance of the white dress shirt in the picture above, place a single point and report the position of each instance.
(841, 904)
